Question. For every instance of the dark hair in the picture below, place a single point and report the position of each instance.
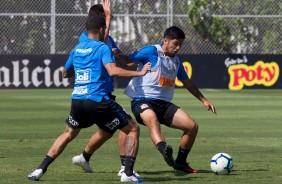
(174, 32)
(96, 10)
(95, 23)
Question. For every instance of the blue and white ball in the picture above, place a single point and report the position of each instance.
(222, 163)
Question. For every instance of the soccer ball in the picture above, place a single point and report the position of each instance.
(222, 163)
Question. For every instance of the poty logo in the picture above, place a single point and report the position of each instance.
(83, 76)
(261, 73)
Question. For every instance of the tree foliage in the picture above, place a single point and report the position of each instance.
(31, 34)
(227, 34)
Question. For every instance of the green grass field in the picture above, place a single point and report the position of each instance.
(248, 127)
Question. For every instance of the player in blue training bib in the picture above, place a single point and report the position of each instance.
(152, 95)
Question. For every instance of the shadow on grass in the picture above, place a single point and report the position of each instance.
(250, 170)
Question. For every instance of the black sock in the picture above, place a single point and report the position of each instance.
(45, 163)
(129, 164)
(161, 147)
(122, 160)
(86, 156)
(182, 155)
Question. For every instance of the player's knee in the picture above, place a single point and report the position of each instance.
(70, 134)
(136, 129)
(196, 127)
(131, 128)
(192, 128)
(104, 135)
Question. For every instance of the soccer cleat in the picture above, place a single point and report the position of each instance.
(168, 156)
(35, 175)
(80, 161)
(132, 178)
(184, 167)
(121, 171)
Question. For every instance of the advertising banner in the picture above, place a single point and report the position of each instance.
(233, 72)
(32, 71)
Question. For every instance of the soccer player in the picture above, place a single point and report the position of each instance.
(92, 63)
(83, 159)
(152, 95)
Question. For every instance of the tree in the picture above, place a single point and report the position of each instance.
(238, 35)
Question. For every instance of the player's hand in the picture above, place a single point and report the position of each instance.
(107, 8)
(146, 68)
(114, 50)
(209, 106)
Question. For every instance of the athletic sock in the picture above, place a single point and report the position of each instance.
(45, 163)
(182, 155)
(129, 164)
(122, 160)
(161, 147)
(86, 156)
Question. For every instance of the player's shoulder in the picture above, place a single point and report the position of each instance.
(83, 37)
(110, 38)
(149, 49)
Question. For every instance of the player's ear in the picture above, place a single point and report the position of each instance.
(102, 31)
(165, 41)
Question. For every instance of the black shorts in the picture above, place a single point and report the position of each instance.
(113, 97)
(164, 110)
(107, 114)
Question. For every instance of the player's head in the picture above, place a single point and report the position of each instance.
(173, 39)
(96, 25)
(96, 10)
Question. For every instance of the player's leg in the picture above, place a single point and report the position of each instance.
(122, 137)
(181, 120)
(94, 143)
(149, 118)
(62, 141)
(56, 149)
(132, 130)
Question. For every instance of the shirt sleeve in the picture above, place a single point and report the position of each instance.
(69, 62)
(144, 55)
(107, 55)
(181, 74)
(114, 45)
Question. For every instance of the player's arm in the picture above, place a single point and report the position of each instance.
(193, 89)
(108, 61)
(67, 73)
(108, 17)
(124, 60)
(142, 56)
(68, 69)
(116, 71)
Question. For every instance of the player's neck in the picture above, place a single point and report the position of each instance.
(165, 51)
(94, 36)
